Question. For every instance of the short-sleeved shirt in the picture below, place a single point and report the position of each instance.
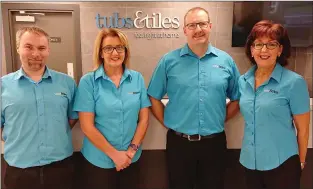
(197, 89)
(269, 135)
(35, 118)
(116, 111)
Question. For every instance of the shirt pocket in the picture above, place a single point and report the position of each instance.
(219, 77)
(275, 108)
(132, 100)
(56, 104)
(274, 102)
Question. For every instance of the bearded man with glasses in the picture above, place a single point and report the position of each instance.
(197, 79)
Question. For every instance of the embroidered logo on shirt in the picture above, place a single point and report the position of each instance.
(133, 92)
(270, 91)
(60, 94)
(218, 66)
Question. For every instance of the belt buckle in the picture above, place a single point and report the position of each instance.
(192, 140)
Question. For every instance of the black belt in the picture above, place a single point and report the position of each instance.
(196, 137)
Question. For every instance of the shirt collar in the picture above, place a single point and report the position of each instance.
(20, 73)
(101, 73)
(250, 73)
(276, 74)
(186, 50)
(127, 74)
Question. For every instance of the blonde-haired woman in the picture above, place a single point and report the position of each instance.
(113, 111)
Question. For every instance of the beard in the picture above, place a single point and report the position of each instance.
(35, 65)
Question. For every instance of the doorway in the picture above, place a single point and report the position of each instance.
(60, 21)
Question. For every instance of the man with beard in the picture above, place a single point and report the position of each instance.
(36, 118)
(197, 79)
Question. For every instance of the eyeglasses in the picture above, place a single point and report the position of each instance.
(109, 49)
(270, 45)
(193, 26)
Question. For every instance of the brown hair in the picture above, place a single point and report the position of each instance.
(30, 29)
(274, 31)
(112, 32)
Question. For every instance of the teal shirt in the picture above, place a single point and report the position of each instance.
(269, 134)
(34, 116)
(197, 89)
(116, 111)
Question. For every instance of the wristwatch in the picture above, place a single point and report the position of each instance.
(302, 164)
(134, 147)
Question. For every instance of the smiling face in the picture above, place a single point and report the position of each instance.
(265, 56)
(33, 50)
(117, 56)
(199, 35)
(278, 44)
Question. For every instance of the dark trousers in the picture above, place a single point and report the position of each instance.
(286, 176)
(55, 175)
(197, 164)
(99, 178)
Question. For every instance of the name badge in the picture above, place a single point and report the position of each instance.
(133, 92)
(60, 94)
(270, 91)
(218, 66)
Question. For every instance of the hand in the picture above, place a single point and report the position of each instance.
(302, 165)
(121, 160)
(130, 153)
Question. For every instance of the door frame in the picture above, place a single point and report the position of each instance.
(46, 7)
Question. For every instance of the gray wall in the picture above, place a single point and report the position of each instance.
(146, 53)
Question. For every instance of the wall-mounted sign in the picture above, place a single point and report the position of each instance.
(141, 20)
(156, 21)
(55, 39)
(25, 18)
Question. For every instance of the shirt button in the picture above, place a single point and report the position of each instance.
(201, 113)
(252, 133)
(251, 143)
(40, 114)
(201, 99)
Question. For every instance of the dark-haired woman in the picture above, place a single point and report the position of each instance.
(275, 104)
